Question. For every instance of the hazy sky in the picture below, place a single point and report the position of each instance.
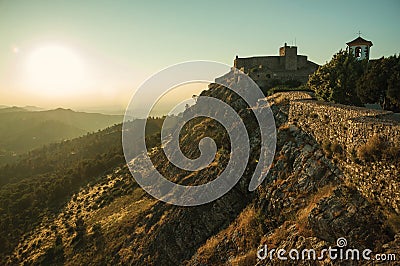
(97, 52)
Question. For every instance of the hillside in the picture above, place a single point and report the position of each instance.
(43, 180)
(22, 130)
(308, 200)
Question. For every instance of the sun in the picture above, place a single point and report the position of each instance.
(55, 70)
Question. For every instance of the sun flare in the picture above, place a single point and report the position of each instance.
(55, 69)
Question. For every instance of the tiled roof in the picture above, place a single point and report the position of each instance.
(359, 40)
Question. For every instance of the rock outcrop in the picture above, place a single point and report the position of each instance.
(308, 200)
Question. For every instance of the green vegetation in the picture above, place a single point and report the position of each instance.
(381, 83)
(44, 179)
(91, 212)
(336, 80)
(22, 130)
(346, 80)
(284, 88)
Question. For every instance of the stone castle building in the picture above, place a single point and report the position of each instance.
(287, 66)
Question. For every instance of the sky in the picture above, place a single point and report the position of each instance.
(94, 54)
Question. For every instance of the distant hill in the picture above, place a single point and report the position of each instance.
(33, 108)
(7, 109)
(22, 130)
(109, 110)
(39, 134)
(19, 108)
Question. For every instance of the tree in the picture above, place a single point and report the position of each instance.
(336, 80)
(393, 92)
(371, 84)
(380, 83)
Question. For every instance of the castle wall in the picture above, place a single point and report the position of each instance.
(351, 127)
(290, 58)
(287, 66)
(301, 61)
(245, 64)
(346, 125)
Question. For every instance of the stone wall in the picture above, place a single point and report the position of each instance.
(346, 125)
(351, 127)
(245, 64)
(287, 66)
(376, 181)
(291, 60)
(302, 62)
(289, 95)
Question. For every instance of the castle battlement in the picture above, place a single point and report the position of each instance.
(288, 65)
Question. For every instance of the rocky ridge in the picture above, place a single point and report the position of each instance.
(306, 201)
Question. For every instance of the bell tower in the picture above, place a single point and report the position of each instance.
(359, 47)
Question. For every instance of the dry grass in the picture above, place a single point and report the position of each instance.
(280, 157)
(279, 234)
(302, 215)
(284, 127)
(249, 258)
(279, 182)
(372, 149)
(281, 100)
(378, 148)
(123, 208)
(245, 231)
(208, 249)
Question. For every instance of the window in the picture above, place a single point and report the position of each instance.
(366, 52)
(358, 51)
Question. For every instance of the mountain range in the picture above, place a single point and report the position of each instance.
(22, 129)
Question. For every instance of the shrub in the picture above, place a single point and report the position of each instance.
(392, 152)
(285, 88)
(353, 156)
(332, 149)
(393, 221)
(336, 148)
(372, 150)
(326, 146)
